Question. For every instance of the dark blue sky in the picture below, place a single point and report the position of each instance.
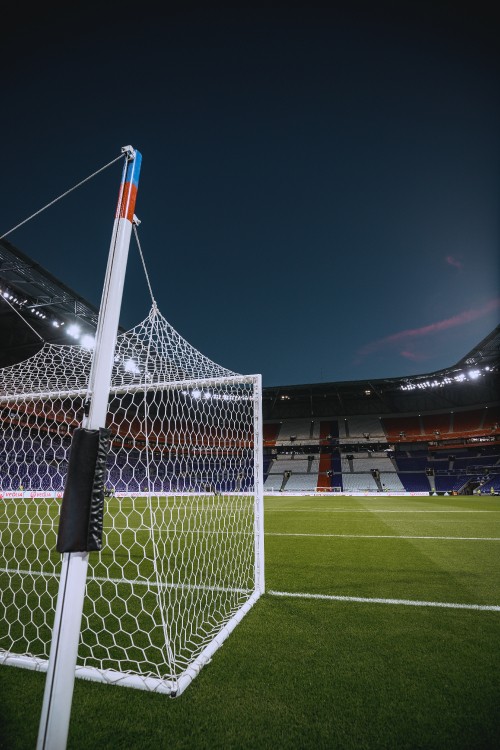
(320, 189)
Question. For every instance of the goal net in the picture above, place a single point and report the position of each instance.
(182, 554)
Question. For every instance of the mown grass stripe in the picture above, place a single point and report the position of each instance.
(370, 510)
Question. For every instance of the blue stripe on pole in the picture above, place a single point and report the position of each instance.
(133, 169)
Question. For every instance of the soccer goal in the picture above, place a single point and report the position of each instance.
(182, 553)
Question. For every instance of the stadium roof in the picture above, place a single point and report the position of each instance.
(473, 381)
(35, 307)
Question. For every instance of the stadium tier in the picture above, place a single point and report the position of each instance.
(34, 459)
(346, 458)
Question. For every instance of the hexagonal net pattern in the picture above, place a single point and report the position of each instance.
(181, 561)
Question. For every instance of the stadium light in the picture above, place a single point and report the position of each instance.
(73, 330)
(87, 341)
(461, 377)
(131, 366)
(7, 294)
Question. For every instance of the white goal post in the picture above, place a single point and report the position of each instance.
(182, 559)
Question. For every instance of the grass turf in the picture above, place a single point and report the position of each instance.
(300, 673)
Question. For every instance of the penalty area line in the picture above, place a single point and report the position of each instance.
(372, 600)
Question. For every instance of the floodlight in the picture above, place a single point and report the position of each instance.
(87, 341)
(73, 330)
(131, 366)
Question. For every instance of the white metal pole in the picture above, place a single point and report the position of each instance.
(59, 684)
(259, 487)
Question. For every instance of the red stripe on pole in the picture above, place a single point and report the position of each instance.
(126, 209)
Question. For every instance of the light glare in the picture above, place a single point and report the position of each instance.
(87, 341)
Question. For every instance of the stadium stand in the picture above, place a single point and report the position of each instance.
(361, 428)
(270, 432)
(402, 429)
(435, 432)
(299, 430)
(436, 425)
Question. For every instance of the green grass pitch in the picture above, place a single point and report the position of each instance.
(350, 647)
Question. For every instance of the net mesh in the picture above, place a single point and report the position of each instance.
(178, 565)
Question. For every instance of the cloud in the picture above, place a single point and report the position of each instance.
(414, 356)
(404, 338)
(454, 262)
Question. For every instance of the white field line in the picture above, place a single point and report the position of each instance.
(141, 530)
(212, 532)
(269, 510)
(392, 536)
(219, 532)
(132, 582)
(297, 595)
(55, 520)
(205, 532)
(373, 600)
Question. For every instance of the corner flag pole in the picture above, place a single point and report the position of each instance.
(59, 684)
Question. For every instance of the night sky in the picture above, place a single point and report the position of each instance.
(320, 188)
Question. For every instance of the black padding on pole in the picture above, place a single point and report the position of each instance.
(80, 522)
